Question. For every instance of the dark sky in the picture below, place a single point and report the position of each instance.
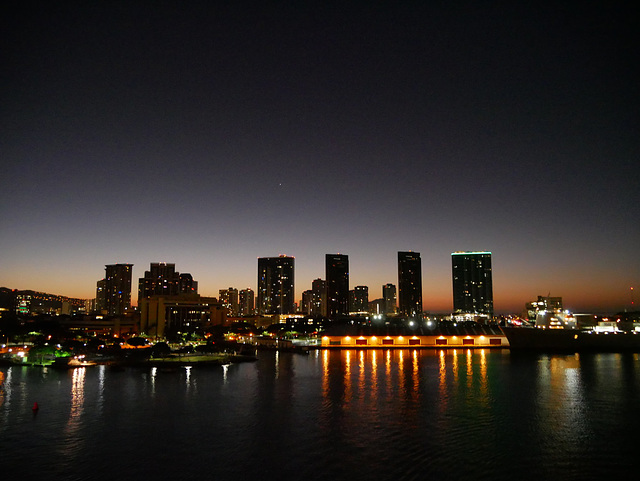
(212, 133)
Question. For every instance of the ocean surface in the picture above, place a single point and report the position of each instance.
(331, 415)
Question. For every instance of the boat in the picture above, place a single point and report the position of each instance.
(186, 360)
(571, 340)
(72, 362)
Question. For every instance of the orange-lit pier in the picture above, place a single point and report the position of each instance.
(386, 337)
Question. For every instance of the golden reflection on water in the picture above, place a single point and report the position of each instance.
(387, 372)
(374, 376)
(415, 375)
(484, 382)
(442, 380)
(347, 377)
(325, 373)
(469, 369)
(401, 380)
(461, 374)
(361, 372)
(454, 365)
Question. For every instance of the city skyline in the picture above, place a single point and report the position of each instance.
(210, 135)
(300, 289)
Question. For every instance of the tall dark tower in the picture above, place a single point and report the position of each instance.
(276, 285)
(410, 284)
(337, 273)
(117, 288)
(389, 299)
(472, 283)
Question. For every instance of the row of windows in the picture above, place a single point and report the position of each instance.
(416, 342)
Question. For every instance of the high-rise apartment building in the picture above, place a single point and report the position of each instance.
(359, 299)
(318, 302)
(247, 302)
(389, 299)
(472, 283)
(113, 293)
(410, 284)
(337, 274)
(229, 300)
(162, 280)
(306, 301)
(101, 296)
(276, 285)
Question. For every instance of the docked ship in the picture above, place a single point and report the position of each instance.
(572, 340)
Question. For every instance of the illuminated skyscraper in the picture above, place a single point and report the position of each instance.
(472, 283)
(117, 289)
(337, 273)
(410, 284)
(276, 285)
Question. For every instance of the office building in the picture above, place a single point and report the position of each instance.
(472, 283)
(337, 274)
(176, 316)
(389, 298)
(410, 284)
(276, 285)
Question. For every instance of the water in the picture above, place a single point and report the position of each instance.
(395, 414)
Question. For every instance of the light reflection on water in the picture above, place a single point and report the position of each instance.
(375, 414)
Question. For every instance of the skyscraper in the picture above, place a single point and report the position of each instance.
(116, 289)
(276, 285)
(337, 274)
(247, 302)
(410, 284)
(472, 283)
(389, 299)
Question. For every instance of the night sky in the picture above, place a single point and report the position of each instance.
(208, 134)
